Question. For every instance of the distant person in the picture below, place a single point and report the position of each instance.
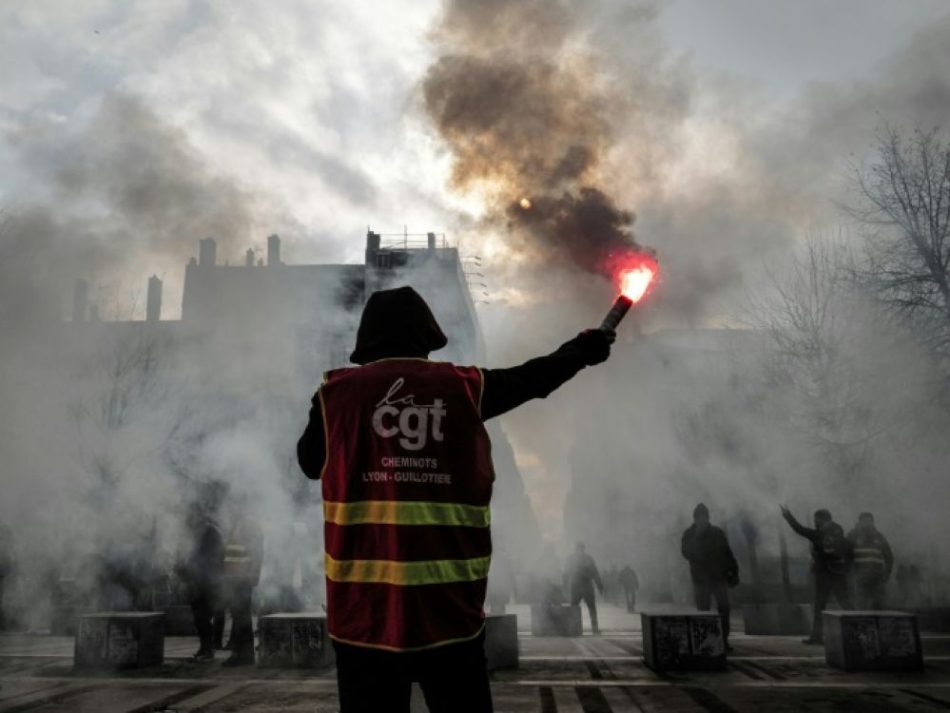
(547, 578)
(501, 585)
(909, 583)
(582, 575)
(400, 446)
(712, 566)
(7, 570)
(873, 563)
(916, 584)
(629, 583)
(831, 554)
(241, 573)
(202, 571)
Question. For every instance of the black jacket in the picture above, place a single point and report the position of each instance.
(205, 564)
(582, 573)
(831, 552)
(504, 389)
(709, 554)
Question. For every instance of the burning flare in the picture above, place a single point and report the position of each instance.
(637, 276)
(635, 283)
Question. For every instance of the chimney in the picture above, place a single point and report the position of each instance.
(373, 242)
(153, 302)
(207, 252)
(431, 237)
(249, 258)
(80, 300)
(273, 250)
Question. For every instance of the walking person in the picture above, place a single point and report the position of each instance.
(629, 583)
(582, 575)
(712, 567)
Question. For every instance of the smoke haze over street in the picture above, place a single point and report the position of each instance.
(129, 131)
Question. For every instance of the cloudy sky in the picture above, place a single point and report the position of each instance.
(308, 113)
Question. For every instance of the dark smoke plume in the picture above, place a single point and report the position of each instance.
(526, 115)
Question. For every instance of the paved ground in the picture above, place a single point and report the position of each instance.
(588, 675)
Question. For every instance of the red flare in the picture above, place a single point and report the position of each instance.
(637, 279)
(637, 276)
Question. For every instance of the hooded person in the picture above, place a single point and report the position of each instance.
(712, 566)
(405, 463)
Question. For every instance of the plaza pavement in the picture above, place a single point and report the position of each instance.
(602, 674)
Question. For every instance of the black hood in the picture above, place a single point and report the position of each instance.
(396, 323)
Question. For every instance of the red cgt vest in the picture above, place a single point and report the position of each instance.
(406, 490)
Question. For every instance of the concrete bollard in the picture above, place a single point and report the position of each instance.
(113, 640)
(689, 641)
(294, 641)
(501, 641)
(555, 620)
(872, 641)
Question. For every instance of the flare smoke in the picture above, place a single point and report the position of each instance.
(526, 115)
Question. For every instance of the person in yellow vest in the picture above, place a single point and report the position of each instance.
(243, 552)
(404, 458)
(872, 564)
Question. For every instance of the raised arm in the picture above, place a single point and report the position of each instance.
(505, 389)
(800, 529)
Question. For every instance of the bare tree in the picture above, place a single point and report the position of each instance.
(821, 361)
(124, 411)
(905, 205)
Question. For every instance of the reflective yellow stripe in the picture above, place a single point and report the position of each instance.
(407, 573)
(402, 512)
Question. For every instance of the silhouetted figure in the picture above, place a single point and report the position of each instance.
(629, 583)
(203, 571)
(831, 554)
(712, 566)
(501, 584)
(916, 584)
(548, 578)
(909, 584)
(873, 563)
(241, 572)
(582, 575)
(7, 570)
(401, 450)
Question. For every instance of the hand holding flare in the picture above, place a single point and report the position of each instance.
(635, 282)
